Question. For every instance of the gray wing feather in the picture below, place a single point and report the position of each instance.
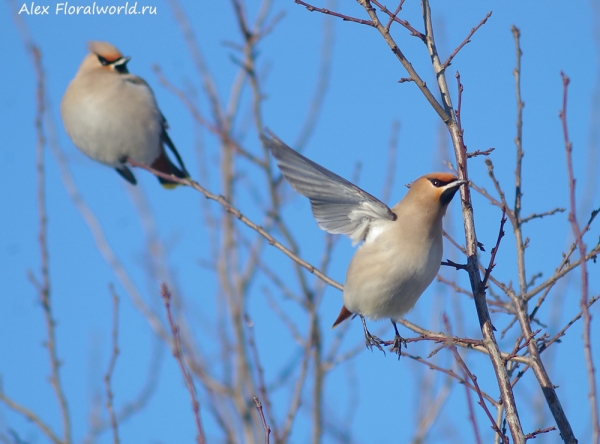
(339, 206)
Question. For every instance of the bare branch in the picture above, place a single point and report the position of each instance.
(221, 200)
(465, 41)
(587, 318)
(266, 428)
(31, 416)
(111, 367)
(491, 266)
(178, 353)
(473, 378)
(394, 18)
(534, 434)
(480, 153)
(345, 18)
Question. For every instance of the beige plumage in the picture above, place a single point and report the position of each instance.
(402, 247)
(110, 115)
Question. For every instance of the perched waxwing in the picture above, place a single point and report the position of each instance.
(401, 248)
(111, 115)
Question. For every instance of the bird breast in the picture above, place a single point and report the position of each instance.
(111, 118)
(390, 271)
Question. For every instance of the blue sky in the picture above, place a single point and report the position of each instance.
(362, 101)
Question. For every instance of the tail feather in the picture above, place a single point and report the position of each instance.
(344, 314)
(126, 174)
(167, 140)
(164, 165)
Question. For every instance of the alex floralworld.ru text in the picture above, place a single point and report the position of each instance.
(93, 9)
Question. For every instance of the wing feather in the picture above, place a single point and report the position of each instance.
(339, 206)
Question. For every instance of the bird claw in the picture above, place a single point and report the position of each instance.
(397, 347)
(372, 340)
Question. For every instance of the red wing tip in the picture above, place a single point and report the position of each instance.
(344, 314)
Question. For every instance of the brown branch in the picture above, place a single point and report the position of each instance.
(519, 347)
(262, 386)
(465, 41)
(266, 428)
(494, 251)
(562, 332)
(480, 153)
(534, 434)
(452, 374)
(587, 319)
(393, 18)
(541, 374)
(235, 212)
(450, 263)
(471, 244)
(345, 18)
(473, 378)
(178, 353)
(541, 215)
(471, 344)
(44, 287)
(34, 418)
(444, 115)
(391, 162)
(111, 367)
(215, 129)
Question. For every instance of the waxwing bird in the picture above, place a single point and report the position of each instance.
(401, 248)
(111, 115)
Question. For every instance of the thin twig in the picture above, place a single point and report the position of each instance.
(111, 367)
(394, 18)
(452, 374)
(471, 244)
(443, 113)
(178, 353)
(465, 41)
(235, 212)
(391, 162)
(266, 428)
(494, 251)
(44, 288)
(587, 319)
(534, 434)
(541, 215)
(31, 416)
(473, 378)
(345, 18)
(480, 153)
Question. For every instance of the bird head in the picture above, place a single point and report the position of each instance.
(104, 56)
(435, 190)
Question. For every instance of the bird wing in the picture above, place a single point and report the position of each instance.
(339, 206)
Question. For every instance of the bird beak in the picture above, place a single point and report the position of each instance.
(120, 65)
(451, 189)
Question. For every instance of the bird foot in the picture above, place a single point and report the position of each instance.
(372, 340)
(397, 347)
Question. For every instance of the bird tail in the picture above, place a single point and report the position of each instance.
(164, 165)
(344, 314)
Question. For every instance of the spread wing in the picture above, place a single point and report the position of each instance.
(339, 206)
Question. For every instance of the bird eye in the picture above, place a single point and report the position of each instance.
(436, 183)
(103, 61)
